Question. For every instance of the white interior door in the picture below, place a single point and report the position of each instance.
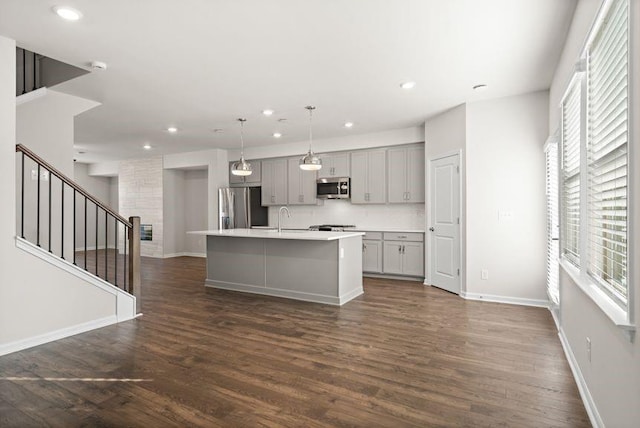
(444, 231)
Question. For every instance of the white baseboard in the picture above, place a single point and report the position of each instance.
(30, 342)
(505, 299)
(398, 277)
(587, 399)
(185, 254)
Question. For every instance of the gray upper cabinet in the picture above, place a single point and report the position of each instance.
(274, 182)
(253, 179)
(406, 175)
(368, 177)
(334, 165)
(302, 184)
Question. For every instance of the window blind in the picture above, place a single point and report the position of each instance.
(570, 226)
(551, 157)
(607, 142)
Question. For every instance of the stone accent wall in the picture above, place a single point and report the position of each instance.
(140, 194)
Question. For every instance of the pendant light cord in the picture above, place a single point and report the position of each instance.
(310, 108)
(242, 121)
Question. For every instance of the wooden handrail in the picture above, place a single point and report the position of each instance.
(71, 183)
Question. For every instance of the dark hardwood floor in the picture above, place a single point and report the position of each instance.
(400, 355)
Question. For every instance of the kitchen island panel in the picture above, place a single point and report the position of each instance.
(304, 266)
(350, 269)
(315, 270)
(238, 261)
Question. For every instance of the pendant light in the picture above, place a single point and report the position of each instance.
(241, 167)
(310, 162)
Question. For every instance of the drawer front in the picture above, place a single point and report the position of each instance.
(399, 236)
(373, 235)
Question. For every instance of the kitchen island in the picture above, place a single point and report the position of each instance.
(322, 267)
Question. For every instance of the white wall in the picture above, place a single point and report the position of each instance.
(446, 134)
(195, 197)
(612, 377)
(506, 172)
(102, 189)
(36, 298)
(215, 163)
(394, 216)
(174, 211)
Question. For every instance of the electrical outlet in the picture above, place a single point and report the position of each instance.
(588, 349)
(484, 274)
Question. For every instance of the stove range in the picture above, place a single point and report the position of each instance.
(331, 227)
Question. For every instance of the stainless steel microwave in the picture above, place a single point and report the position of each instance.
(333, 188)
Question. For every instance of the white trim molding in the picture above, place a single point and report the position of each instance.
(587, 399)
(184, 254)
(540, 303)
(30, 96)
(51, 336)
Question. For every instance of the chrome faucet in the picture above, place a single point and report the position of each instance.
(280, 216)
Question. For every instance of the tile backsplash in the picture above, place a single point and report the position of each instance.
(409, 216)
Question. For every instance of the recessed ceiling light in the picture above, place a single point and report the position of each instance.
(267, 112)
(408, 85)
(348, 124)
(480, 87)
(147, 147)
(277, 135)
(172, 129)
(68, 13)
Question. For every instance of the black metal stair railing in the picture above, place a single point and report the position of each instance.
(111, 251)
(29, 70)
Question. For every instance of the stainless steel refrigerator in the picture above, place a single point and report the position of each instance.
(241, 207)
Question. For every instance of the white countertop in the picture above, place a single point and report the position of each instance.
(304, 235)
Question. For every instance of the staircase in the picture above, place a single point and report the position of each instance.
(59, 221)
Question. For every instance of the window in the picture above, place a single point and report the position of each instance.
(595, 121)
(551, 157)
(607, 70)
(571, 138)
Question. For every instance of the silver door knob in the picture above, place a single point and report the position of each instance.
(431, 229)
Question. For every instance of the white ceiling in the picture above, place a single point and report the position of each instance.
(199, 64)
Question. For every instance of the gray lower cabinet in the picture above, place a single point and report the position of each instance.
(404, 258)
(301, 184)
(274, 182)
(371, 256)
